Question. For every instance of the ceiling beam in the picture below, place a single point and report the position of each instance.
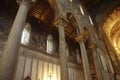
(44, 15)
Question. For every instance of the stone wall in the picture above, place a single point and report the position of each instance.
(40, 66)
(6, 20)
(39, 32)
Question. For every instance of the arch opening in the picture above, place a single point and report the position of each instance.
(111, 29)
(73, 22)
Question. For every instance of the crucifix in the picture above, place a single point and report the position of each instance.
(50, 76)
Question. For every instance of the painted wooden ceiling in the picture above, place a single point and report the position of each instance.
(44, 13)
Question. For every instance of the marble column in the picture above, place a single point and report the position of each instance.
(85, 62)
(98, 66)
(62, 49)
(9, 57)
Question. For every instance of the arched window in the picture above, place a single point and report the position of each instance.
(26, 34)
(50, 44)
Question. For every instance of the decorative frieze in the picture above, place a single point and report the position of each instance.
(44, 57)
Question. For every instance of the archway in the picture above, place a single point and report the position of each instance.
(74, 29)
(111, 29)
(115, 36)
(73, 22)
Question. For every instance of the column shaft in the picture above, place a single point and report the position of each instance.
(98, 66)
(85, 61)
(63, 54)
(9, 57)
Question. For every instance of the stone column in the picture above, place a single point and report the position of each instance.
(62, 49)
(98, 66)
(85, 62)
(9, 57)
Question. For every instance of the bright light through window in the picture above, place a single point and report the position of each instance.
(90, 20)
(49, 44)
(81, 9)
(70, 0)
(26, 34)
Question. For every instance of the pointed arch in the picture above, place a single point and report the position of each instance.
(73, 22)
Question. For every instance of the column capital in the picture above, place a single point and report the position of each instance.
(82, 36)
(92, 45)
(79, 37)
(60, 22)
(26, 2)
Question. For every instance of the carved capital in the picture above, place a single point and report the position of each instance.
(92, 45)
(60, 22)
(84, 36)
(79, 37)
(26, 2)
